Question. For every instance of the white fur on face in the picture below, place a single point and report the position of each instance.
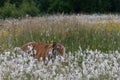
(50, 52)
(30, 48)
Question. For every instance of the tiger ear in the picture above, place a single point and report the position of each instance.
(54, 45)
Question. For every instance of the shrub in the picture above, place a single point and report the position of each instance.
(29, 8)
(9, 10)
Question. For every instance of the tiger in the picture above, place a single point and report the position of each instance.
(42, 51)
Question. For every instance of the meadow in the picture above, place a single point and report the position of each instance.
(86, 31)
(91, 42)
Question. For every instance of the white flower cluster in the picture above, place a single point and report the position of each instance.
(81, 65)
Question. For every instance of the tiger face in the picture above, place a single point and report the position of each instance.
(57, 50)
(42, 50)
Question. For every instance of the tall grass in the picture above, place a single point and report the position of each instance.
(100, 32)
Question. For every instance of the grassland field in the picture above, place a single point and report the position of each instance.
(92, 45)
(100, 32)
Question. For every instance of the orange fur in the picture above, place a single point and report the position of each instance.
(42, 50)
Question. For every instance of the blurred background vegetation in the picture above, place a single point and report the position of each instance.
(102, 36)
(21, 8)
(69, 30)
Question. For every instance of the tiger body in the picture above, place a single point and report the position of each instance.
(42, 50)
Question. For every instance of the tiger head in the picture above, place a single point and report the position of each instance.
(57, 50)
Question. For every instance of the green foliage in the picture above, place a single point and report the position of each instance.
(60, 6)
(2, 2)
(43, 5)
(36, 7)
(16, 2)
(104, 6)
(28, 8)
(10, 10)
